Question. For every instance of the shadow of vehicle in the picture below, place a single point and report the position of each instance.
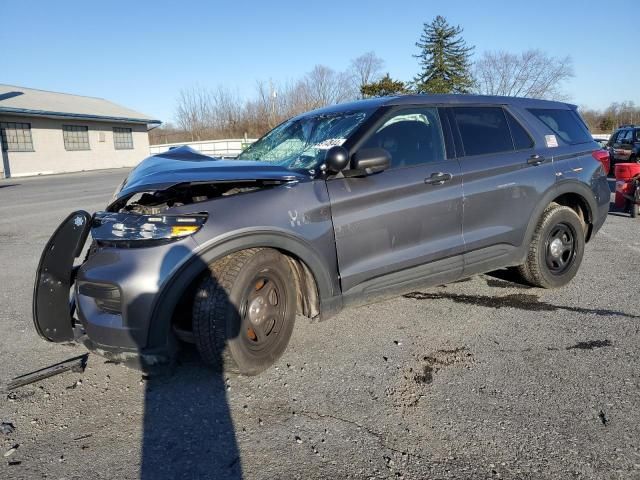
(188, 430)
(508, 276)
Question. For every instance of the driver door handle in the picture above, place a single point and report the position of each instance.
(535, 159)
(438, 178)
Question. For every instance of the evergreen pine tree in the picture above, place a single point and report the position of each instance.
(383, 87)
(445, 59)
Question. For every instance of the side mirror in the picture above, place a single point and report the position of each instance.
(336, 159)
(371, 160)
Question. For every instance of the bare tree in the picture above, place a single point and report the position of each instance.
(532, 73)
(324, 86)
(193, 111)
(206, 114)
(366, 69)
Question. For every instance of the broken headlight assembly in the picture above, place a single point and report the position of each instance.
(133, 229)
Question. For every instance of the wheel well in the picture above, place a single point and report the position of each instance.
(307, 301)
(577, 203)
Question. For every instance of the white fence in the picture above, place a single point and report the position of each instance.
(230, 147)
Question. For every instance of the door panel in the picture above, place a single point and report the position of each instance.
(500, 194)
(502, 186)
(393, 220)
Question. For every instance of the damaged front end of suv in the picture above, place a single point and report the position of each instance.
(127, 292)
(222, 253)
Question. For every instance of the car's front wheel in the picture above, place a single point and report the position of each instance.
(556, 250)
(244, 311)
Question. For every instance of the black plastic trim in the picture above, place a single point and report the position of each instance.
(52, 312)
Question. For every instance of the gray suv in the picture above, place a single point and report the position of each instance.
(336, 207)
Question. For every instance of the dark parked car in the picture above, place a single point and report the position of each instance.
(624, 145)
(333, 208)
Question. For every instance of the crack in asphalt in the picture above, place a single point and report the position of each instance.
(590, 345)
(373, 433)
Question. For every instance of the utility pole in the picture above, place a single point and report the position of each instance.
(272, 97)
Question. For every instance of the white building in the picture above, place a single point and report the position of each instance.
(48, 132)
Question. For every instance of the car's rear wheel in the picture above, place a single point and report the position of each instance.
(634, 207)
(556, 250)
(244, 311)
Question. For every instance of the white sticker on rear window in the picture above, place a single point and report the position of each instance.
(330, 142)
(551, 141)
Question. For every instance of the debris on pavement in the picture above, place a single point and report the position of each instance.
(603, 418)
(11, 451)
(74, 385)
(7, 428)
(76, 364)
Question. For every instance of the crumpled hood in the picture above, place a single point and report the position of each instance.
(185, 165)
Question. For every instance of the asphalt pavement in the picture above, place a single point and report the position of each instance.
(483, 378)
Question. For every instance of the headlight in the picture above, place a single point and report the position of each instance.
(115, 227)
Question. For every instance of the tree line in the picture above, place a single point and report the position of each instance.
(445, 66)
(610, 118)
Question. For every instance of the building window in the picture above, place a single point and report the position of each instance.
(76, 137)
(16, 137)
(122, 138)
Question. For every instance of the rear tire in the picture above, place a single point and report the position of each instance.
(556, 250)
(634, 208)
(244, 311)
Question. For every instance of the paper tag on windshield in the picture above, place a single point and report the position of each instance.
(330, 142)
(551, 141)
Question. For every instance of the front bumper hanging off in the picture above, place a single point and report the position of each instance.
(53, 304)
(73, 302)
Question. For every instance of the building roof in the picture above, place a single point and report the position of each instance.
(42, 103)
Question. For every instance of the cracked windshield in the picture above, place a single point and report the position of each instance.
(302, 143)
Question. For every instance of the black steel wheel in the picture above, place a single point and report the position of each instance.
(556, 249)
(560, 248)
(244, 311)
(263, 311)
(634, 207)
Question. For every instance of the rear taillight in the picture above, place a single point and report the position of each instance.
(603, 157)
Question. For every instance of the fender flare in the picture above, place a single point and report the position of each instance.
(569, 186)
(172, 289)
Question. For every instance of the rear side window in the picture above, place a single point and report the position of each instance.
(521, 139)
(483, 130)
(564, 123)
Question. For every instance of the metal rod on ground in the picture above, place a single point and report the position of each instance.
(76, 364)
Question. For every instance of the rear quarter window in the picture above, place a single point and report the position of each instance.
(566, 124)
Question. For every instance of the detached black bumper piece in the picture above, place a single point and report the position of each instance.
(52, 301)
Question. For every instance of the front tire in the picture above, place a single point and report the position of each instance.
(244, 311)
(556, 250)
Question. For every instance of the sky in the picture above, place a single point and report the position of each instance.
(141, 53)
